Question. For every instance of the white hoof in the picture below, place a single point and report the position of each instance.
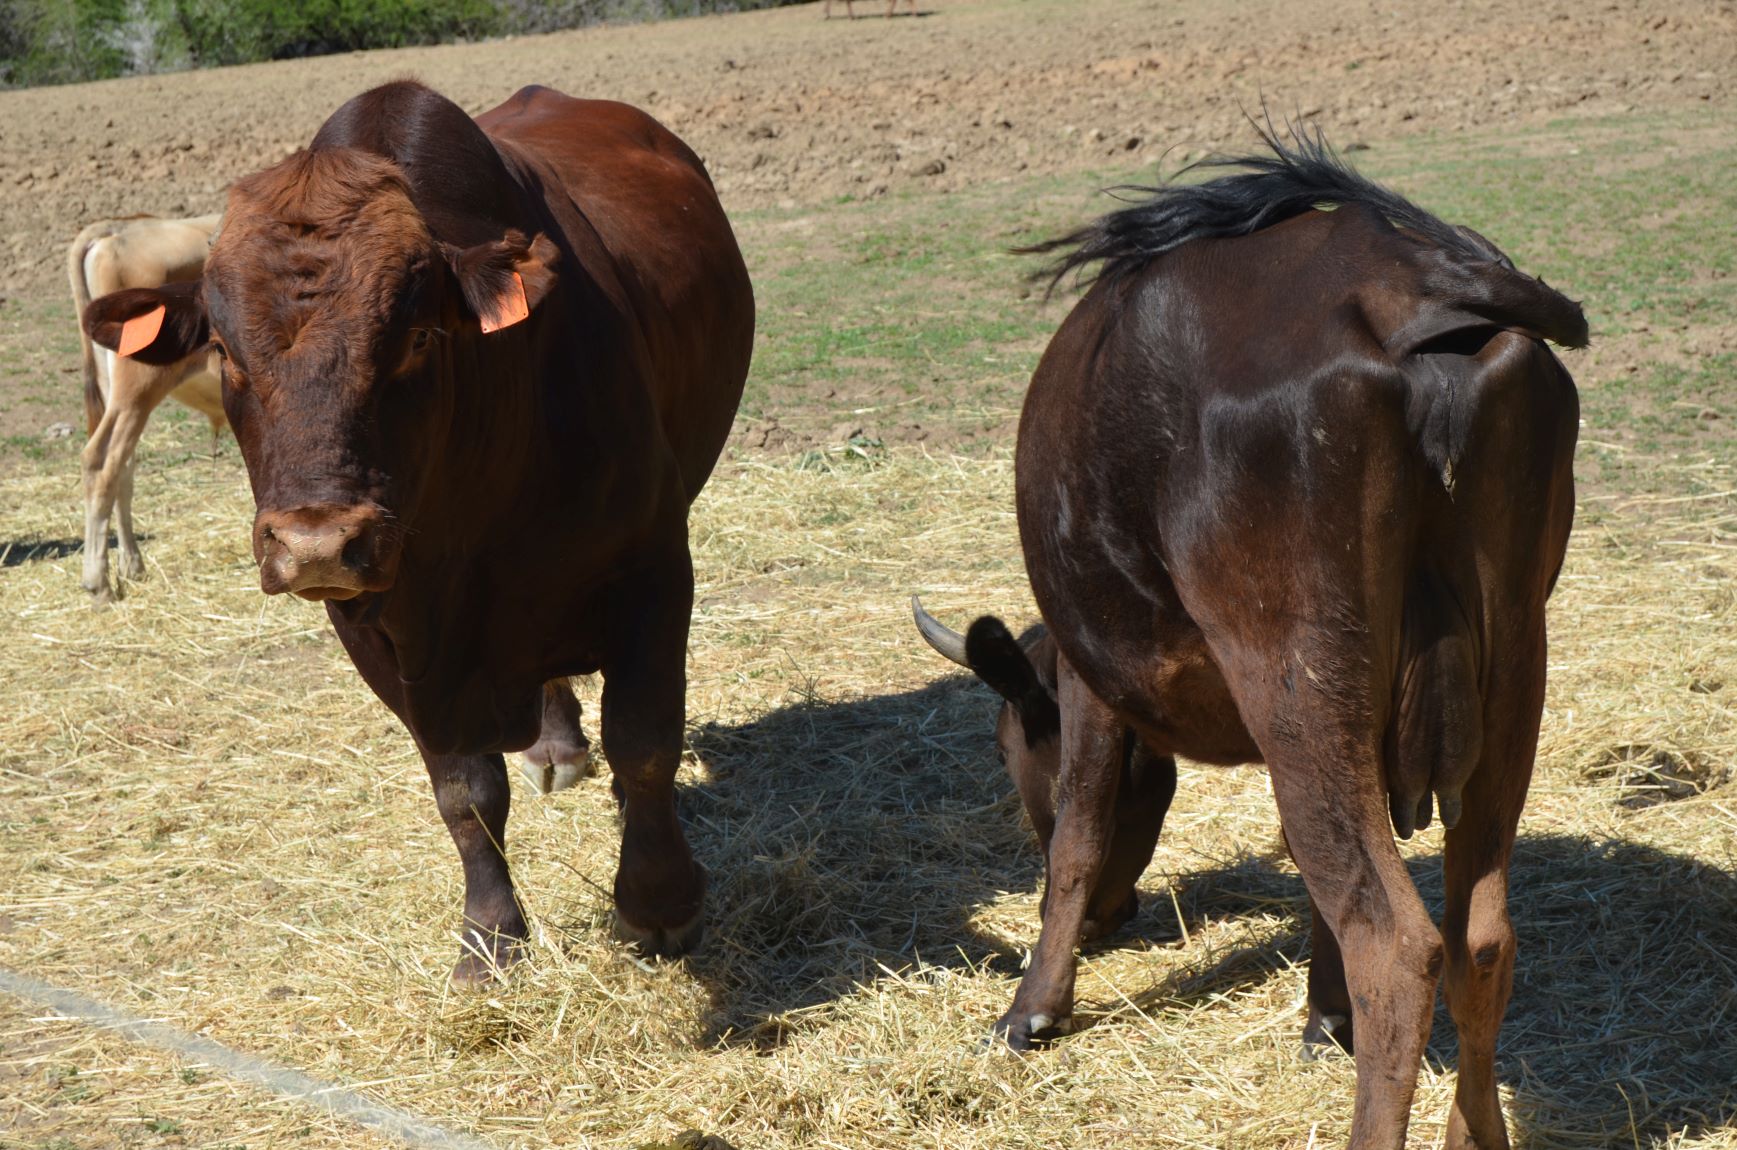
(548, 777)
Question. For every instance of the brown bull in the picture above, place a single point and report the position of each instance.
(1293, 486)
(120, 393)
(478, 371)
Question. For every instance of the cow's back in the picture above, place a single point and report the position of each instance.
(677, 269)
(149, 252)
(1234, 414)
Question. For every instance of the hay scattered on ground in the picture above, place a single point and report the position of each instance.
(210, 820)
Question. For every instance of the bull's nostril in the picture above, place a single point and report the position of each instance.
(267, 534)
(355, 553)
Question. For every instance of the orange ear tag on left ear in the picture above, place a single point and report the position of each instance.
(141, 331)
(509, 307)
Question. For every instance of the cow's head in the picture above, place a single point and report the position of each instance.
(340, 311)
(1023, 672)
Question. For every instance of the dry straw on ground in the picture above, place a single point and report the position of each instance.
(209, 820)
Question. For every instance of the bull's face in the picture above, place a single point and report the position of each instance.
(339, 317)
(1023, 673)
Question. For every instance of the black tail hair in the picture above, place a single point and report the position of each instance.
(1268, 190)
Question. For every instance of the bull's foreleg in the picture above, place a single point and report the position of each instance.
(472, 793)
(1086, 789)
(1479, 938)
(561, 756)
(659, 888)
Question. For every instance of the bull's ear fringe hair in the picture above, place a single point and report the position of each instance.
(1266, 190)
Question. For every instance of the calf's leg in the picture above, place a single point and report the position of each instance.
(131, 563)
(659, 888)
(1086, 789)
(99, 503)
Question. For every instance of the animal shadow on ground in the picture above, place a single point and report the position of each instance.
(18, 552)
(848, 839)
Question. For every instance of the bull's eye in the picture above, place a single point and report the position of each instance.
(222, 352)
(419, 340)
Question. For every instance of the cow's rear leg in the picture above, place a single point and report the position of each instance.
(1335, 816)
(659, 888)
(1479, 938)
(1086, 789)
(472, 793)
(561, 756)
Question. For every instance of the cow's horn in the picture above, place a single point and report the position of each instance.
(949, 643)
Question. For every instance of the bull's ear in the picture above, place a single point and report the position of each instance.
(504, 279)
(997, 658)
(159, 326)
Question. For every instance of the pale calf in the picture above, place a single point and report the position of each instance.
(120, 394)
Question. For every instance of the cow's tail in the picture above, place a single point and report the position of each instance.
(75, 257)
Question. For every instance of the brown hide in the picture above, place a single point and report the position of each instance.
(478, 371)
(1293, 486)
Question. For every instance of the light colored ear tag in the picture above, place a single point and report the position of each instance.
(141, 331)
(509, 307)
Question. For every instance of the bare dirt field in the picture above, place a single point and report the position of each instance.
(208, 820)
(789, 109)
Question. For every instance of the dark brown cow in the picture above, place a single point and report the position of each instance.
(478, 371)
(1293, 486)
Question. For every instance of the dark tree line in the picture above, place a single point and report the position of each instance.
(63, 41)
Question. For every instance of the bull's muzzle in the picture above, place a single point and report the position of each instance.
(323, 552)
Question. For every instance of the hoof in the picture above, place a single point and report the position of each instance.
(1028, 1032)
(485, 960)
(132, 569)
(662, 941)
(555, 766)
(1325, 1035)
(1099, 927)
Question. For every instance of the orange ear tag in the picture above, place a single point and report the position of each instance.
(141, 331)
(509, 307)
